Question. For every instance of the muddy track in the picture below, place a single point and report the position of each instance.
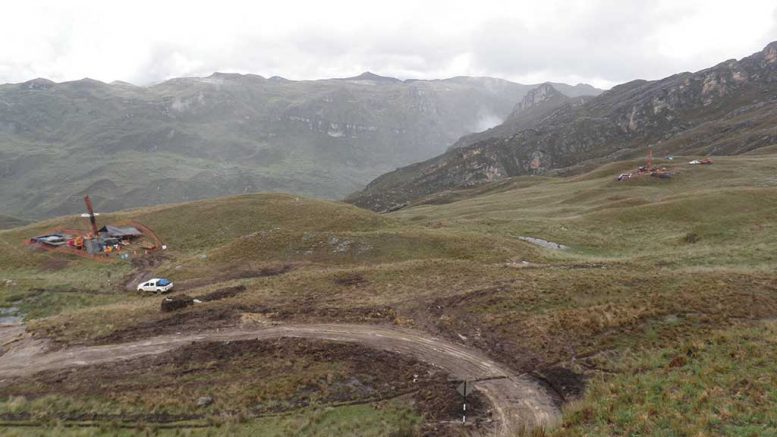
(519, 401)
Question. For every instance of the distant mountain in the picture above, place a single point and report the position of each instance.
(536, 104)
(579, 90)
(372, 78)
(730, 108)
(191, 138)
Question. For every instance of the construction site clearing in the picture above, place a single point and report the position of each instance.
(118, 241)
(658, 172)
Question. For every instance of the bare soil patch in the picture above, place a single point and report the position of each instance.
(453, 318)
(567, 384)
(443, 405)
(186, 317)
(183, 321)
(350, 279)
(223, 293)
(174, 303)
(309, 312)
(180, 301)
(54, 264)
(240, 273)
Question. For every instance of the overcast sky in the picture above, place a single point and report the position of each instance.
(596, 41)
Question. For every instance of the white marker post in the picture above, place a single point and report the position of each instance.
(464, 390)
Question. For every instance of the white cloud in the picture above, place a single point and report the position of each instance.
(598, 41)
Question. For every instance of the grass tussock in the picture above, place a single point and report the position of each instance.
(725, 384)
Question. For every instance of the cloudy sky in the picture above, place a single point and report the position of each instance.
(601, 42)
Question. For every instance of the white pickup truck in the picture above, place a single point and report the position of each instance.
(156, 285)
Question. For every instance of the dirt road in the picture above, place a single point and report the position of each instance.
(519, 402)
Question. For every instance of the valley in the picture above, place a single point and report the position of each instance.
(665, 286)
(727, 109)
(234, 254)
(192, 138)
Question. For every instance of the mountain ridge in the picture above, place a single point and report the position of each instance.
(227, 133)
(537, 103)
(730, 108)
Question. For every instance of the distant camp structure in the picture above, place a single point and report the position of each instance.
(659, 172)
(646, 170)
(123, 241)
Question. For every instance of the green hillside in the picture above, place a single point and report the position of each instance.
(728, 206)
(658, 319)
(193, 138)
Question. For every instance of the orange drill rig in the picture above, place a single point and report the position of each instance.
(650, 159)
(92, 220)
(648, 167)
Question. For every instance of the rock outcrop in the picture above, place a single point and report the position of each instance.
(730, 108)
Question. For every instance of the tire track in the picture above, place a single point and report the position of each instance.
(520, 403)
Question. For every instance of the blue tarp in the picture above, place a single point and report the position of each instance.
(163, 282)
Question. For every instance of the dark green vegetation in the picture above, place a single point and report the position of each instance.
(193, 138)
(657, 320)
(727, 109)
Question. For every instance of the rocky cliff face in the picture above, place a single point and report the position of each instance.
(537, 104)
(541, 95)
(191, 138)
(729, 108)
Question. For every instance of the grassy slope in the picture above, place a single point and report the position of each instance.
(708, 294)
(326, 239)
(7, 222)
(631, 286)
(724, 384)
(209, 238)
(731, 206)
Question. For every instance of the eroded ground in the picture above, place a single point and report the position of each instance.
(240, 379)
